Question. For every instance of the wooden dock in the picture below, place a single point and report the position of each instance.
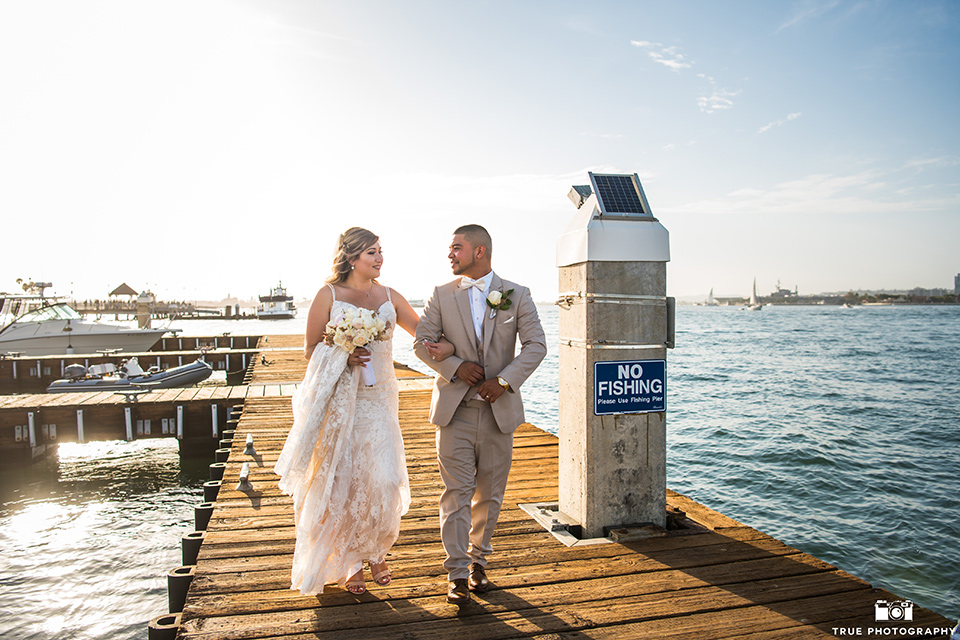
(30, 423)
(232, 354)
(716, 579)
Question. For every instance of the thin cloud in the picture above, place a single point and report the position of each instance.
(718, 99)
(669, 57)
(809, 10)
(779, 123)
(866, 192)
(608, 136)
(922, 163)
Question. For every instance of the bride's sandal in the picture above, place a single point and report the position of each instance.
(381, 574)
(356, 584)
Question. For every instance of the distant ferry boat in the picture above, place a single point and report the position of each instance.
(276, 306)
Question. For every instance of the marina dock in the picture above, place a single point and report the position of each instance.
(713, 577)
(30, 422)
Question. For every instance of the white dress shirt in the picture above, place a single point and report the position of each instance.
(478, 303)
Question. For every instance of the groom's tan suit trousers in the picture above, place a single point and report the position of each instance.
(475, 438)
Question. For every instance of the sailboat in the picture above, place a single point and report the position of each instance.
(754, 304)
(710, 301)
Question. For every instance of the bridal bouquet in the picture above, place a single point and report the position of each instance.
(356, 327)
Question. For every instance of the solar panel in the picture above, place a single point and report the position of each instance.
(619, 194)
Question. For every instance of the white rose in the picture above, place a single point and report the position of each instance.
(495, 297)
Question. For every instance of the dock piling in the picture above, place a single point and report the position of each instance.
(201, 515)
(163, 627)
(211, 489)
(190, 547)
(178, 581)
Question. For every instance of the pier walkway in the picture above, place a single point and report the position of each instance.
(717, 579)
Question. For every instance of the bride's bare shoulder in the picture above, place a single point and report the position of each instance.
(324, 294)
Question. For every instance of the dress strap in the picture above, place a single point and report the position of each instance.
(388, 295)
(333, 291)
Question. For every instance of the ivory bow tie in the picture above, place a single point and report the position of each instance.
(468, 283)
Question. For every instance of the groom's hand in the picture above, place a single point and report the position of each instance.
(490, 390)
(470, 372)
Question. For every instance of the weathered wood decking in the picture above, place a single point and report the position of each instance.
(729, 581)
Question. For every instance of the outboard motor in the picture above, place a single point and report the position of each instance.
(132, 367)
(74, 371)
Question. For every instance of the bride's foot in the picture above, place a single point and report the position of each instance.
(381, 574)
(356, 584)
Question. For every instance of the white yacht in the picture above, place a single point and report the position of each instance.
(277, 305)
(38, 326)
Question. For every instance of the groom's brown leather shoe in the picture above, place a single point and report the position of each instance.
(478, 578)
(458, 592)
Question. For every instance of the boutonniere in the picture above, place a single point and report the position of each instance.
(499, 301)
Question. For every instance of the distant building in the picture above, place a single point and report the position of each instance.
(956, 284)
(927, 293)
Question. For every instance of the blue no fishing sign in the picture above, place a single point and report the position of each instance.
(630, 387)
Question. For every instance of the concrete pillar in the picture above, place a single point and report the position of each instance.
(613, 338)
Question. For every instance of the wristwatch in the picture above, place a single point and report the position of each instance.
(503, 383)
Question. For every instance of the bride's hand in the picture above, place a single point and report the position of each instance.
(359, 356)
(439, 351)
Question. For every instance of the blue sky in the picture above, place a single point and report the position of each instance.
(207, 148)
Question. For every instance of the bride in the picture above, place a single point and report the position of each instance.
(343, 460)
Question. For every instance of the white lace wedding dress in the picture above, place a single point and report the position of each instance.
(343, 463)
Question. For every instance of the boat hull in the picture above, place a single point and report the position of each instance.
(185, 376)
(50, 338)
(278, 315)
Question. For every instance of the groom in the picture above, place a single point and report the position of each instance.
(476, 399)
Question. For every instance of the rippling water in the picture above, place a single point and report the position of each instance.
(87, 538)
(834, 430)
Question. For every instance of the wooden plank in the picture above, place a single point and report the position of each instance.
(725, 580)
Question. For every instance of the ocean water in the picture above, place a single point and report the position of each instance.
(834, 430)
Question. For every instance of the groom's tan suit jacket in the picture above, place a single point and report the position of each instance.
(447, 313)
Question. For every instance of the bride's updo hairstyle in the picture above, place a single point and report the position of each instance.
(351, 244)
